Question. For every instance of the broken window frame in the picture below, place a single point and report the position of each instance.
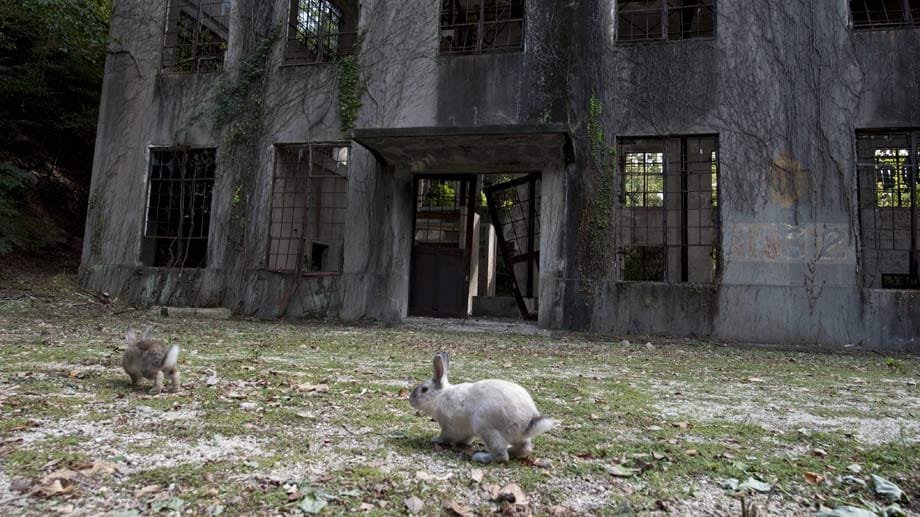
(665, 13)
(203, 42)
(906, 13)
(454, 22)
(198, 185)
(322, 38)
(686, 199)
(302, 190)
(888, 194)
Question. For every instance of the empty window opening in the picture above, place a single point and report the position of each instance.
(664, 20)
(667, 222)
(887, 169)
(479, 26)
(309, 201)
(178, 211)
(884, 14)
(320, 31)
(196, 35)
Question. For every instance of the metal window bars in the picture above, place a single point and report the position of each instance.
(641, 21)
(884, 14)
(888, 197)
(320, 31)
(195, 39)
(178, 208)
(481, 26)
(309, 203)
(667, 219)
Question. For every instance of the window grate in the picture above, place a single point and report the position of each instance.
(320, 31)
(667, 220)
(196, 36)
(884, 14)
(888, 197)
(481, 26)
(309, 202)
(640, 21)
(178, 208)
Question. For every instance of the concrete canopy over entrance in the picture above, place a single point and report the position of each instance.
(407, 153)
(463, 149)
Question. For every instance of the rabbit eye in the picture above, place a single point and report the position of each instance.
(424, 390)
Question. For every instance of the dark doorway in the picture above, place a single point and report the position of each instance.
(439, 283)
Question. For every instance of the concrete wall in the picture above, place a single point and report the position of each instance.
(784, 84)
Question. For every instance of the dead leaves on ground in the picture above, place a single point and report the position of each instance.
(66, 481)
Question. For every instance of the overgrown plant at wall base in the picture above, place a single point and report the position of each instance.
(350, 88)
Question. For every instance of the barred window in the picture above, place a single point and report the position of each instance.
(884, 14)
(309, 201)
(667, 221)
(664, 20)
(321, 30)
(887, 169)
(479, 26)
(196, 35)
(178, 209)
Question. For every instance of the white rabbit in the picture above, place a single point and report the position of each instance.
(500, 412)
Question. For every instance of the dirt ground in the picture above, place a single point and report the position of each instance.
(313, 417)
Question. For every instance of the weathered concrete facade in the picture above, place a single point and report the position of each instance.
(784, 85)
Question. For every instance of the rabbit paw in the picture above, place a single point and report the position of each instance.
(482, 457)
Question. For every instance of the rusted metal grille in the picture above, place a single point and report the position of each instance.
(664, 20)
(667, 221)
(178, 208)
(887, 169)
(196, 35)
(309, 202)
(480, 26)
(884, 14)
(320, 31)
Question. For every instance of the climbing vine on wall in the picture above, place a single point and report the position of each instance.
(351, 89)
(599, 206)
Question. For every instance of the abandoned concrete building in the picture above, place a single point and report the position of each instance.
(740, 169)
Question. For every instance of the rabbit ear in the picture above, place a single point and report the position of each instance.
(130, 336)
(446, 360)
(147, 332)
(440, 369)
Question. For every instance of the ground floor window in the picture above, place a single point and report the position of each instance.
(887, 170)
(667, 218)
(178, 209)
(309, 201)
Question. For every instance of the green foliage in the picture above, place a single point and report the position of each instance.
(52, 57)
(20, 228)
(351, 89)
(441, 194)
(603, 159)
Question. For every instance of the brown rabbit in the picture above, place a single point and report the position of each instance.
(150, 359)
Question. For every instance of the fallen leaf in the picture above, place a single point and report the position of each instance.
(819, 452)
(414, 504)
(459, 509)
(312, 388)
(65, 474)
(620, 472)
(366, 507)
(755, 485)
(813, 478)
(691, 452)
(854, 468)
(752, 379)
(658, 457)
(558, 510)
(173, 503)
(147, 490)
(886, 488)
(311, 504)
(477, 475)
(512, 493)
(846, 511)
(682, 425)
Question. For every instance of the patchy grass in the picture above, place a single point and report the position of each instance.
(272, 414)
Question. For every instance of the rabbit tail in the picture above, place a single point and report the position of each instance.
(172, 357)
(539, 425)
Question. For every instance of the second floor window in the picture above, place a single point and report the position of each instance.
(196, 35)
(884, 14)
(664, 20)
(321, 30)
(480, 26)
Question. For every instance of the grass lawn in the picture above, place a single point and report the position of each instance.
(302, 417)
